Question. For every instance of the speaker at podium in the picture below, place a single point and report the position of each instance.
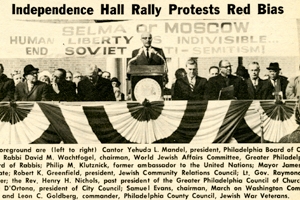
(146, 82)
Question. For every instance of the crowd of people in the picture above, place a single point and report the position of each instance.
(97, 85)
(61, 85)
(223, 85)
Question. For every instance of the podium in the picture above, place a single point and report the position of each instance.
(146, 82)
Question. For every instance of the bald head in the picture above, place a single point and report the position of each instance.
(146, 38)
(225, 67)
(91, 70)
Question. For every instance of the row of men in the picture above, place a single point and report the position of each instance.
(91, 88)
(188, 86)
(225, 86)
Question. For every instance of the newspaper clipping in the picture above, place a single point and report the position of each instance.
(150, 100)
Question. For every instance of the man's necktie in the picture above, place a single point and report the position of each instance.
(147, 53)
(192, 84)
(255, 84)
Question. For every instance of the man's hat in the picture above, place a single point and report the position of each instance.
(29, 68)
(115, 79)
(274, 66)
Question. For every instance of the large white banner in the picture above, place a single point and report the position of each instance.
(196, 38)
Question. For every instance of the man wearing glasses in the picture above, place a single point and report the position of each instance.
(147, 55)
(275, 87)
(31, 89)
(226, 86)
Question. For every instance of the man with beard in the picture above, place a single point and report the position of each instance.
(7, 86)
(226, 86)
(31, 89)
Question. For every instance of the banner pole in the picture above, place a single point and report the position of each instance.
(262, 126)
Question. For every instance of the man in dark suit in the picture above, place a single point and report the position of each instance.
(276, 85)
(147, 55)
(95, 88)
(7, 86)
(61, 89)
(254, 82)
(226, 86)
(31, 89)
(190, 87)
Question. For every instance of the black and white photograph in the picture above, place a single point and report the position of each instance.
(150, 100)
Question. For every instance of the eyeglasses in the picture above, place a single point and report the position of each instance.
(147, 38)
(228, 66)
(54, 76)
(33, 73)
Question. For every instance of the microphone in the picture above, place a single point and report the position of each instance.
(134, 58)
(158, 54)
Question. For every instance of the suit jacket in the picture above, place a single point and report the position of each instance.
(67, 92)
(153, 60)
(268, 88)
(293, 88)
(7, 88)
(39, 92)
(215, 84)
(255, 93)
(182, 89)
(100, 90)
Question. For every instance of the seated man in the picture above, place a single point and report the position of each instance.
(95, 88)
(293, 88)
(254, 82)
(61, 89)
(217, 86)
(7, 86)
(276, 85)
(213, 71)
(31, 89)
(192, 86)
